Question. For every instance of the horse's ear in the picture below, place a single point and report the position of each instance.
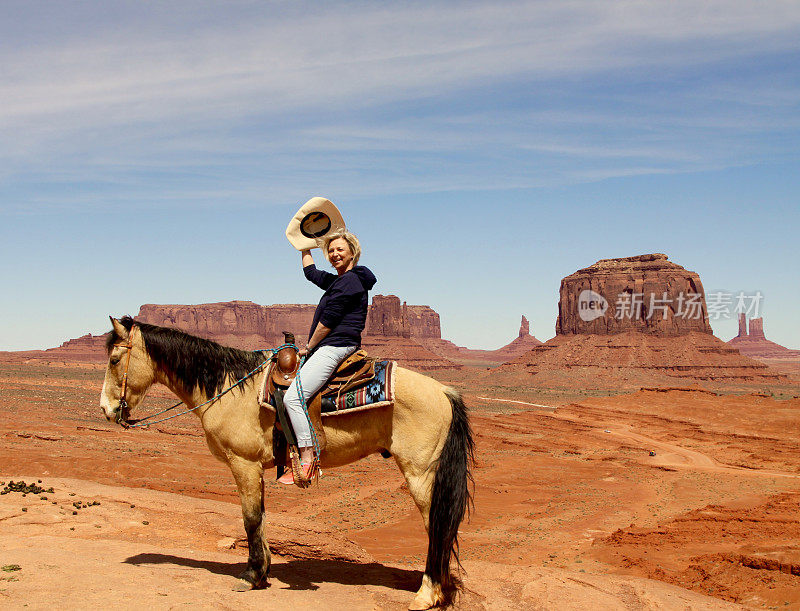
(119, 329)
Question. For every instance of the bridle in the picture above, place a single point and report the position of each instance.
(122, 408)
(121, 412)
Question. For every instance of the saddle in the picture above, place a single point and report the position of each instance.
(356, 370)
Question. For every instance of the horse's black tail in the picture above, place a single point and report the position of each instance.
(451, 498)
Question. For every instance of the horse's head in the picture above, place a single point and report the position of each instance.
(129, 373)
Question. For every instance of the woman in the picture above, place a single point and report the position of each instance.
(335, 331)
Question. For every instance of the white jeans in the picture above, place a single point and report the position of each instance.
(313, 374)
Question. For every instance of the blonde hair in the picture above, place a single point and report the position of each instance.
(352, 242)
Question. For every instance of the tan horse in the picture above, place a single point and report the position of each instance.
(426, 431)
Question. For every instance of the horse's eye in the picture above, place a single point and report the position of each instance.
(115, 360)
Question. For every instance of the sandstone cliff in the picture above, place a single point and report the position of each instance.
(638, 359)
(397, 331)
(424, 322)
(242, 324)
(524, 327)
(389, 317)
(646, 293)
(520, 345)
(756, 328)
(392, 332)
(651, 343)
(87, 348)
(755, 345)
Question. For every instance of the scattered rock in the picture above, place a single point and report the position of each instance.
(24, 488)
(227, 543)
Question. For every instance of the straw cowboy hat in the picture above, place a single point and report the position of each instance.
(317, 218)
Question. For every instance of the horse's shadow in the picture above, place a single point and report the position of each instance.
(303, 574)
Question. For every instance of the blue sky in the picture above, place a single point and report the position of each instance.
(154, 152)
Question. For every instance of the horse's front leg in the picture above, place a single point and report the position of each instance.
(249, 481)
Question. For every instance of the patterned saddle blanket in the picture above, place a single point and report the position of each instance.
(376, 392)
(360, 383)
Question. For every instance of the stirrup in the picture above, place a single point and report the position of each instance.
(298, 472)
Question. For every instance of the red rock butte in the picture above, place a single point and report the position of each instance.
(633, 321)
(410, 334)
(520, 345)
(387, 316)
(394, 328)
(754, 344)
(646, 293)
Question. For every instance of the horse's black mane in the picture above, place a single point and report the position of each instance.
(194, 361)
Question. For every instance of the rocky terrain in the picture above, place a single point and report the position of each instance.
(754, 344)
(630, 360)
(458, 354)
(410, 334)
(388, 317)
(624, 323)
(645, 293)
(659, 499)
(635, 465)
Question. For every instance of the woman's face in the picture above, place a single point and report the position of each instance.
(340, 255)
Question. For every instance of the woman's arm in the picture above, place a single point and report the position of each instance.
(319, 277)
(320, 333)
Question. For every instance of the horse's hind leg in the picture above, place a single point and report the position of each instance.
(436, 462)
(420, 485)
(249, 481)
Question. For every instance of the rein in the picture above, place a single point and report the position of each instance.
(123, 404)
(148, 420)
(302, 398)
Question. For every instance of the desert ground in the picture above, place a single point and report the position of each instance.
(682, 498)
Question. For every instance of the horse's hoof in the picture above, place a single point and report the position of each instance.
(426, 600)
(420, 603)
(249, 580)
(428, 596)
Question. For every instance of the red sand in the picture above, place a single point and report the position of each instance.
(571, 510)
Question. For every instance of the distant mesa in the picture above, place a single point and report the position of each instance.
(391, 331)
(388, 316)
(635, 320)
(395, 330)
(241, 324)
(754, 344)
(646, 293)
(410, 334)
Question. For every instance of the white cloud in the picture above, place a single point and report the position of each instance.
(368, 55)
(224, 88)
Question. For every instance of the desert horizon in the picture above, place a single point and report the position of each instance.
(651, 462)
(541, 252)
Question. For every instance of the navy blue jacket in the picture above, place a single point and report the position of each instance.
(343, 307)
